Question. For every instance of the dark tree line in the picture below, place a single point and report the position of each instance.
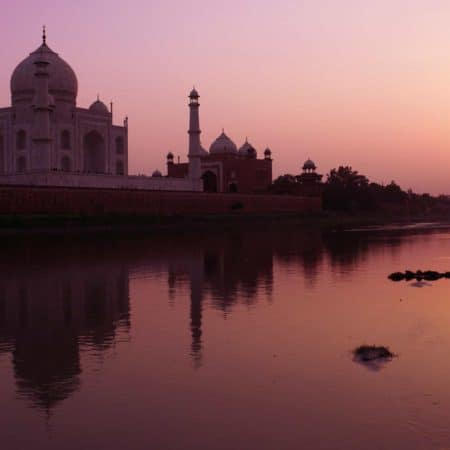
(347, 190)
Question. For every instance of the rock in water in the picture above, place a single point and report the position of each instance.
(428, 275)
(372, 352)
(397, 276)
(431, 275)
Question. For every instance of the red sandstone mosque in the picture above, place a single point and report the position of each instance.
(225, 168)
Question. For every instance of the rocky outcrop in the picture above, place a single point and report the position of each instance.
(428, 275)
(365, 353)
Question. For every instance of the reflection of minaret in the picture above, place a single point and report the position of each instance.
(171, 281)
(229, 269)
(196, 279)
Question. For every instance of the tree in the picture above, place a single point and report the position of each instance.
(393, 193)
(346, 189)
(285, 184)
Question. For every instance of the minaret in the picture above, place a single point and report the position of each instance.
(42, 140)
(195, 149)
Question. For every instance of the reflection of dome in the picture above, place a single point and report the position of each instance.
(247, 150)
(99, 107)
(223, 144)
(156, 173)
(309, 165)
(62, 79)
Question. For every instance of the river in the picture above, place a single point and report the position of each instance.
(235, 339)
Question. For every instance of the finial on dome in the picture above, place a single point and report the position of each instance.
(44, 35)
(98, 97)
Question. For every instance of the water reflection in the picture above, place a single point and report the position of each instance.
(54, 300)
(229, 271)
(59, 296)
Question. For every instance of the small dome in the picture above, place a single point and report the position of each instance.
(309, 165)
(98, 107)
(247, 150)
(267, 151)
(170, 155)
(194, 94)
(62, 82)
(223, 144)
(156, 173)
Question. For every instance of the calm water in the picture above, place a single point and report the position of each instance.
(234, 340)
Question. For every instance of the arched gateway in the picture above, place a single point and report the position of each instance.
(94, 153)
(209, 181)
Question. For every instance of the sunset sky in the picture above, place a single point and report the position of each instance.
(344, 82)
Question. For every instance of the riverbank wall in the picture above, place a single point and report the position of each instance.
(29, 200)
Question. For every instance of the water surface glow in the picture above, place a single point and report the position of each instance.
(234, 339)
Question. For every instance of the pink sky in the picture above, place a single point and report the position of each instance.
(350, 82)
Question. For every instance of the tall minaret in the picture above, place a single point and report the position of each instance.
(42, 140)
(195, 149)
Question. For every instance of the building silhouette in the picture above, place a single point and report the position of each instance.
(224, 168)
(44, 129)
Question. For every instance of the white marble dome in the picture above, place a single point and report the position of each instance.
(223, 144)
(99, 107)
(62, 81)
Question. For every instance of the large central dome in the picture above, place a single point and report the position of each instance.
(62, 81)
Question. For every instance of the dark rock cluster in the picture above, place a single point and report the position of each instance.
(428, 275)
(366, 353)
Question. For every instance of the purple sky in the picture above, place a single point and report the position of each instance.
(343, 82)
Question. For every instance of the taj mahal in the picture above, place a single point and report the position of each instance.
(46, 139)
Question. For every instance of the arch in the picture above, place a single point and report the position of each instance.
(233, 187)
(65, 140)
(120, 170)
(94, 152)
(66, 164)
(209, 181)
(21, 140)
(2, 155)
(119, 145)
(21, 164)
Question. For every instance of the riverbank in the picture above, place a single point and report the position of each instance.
(330, 221)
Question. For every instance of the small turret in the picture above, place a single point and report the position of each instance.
(309, 166)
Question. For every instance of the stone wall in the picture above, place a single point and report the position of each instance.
(88, 201)
(80, 180)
